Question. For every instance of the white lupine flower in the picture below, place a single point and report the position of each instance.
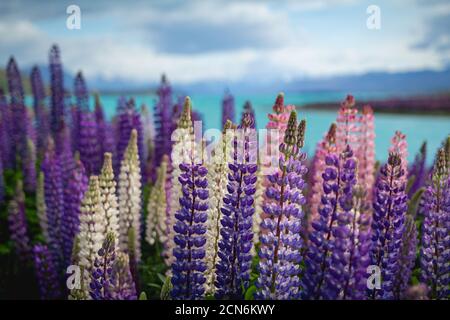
(259, 199)
(217, 182)
(109, 203)
(41, 207)
(156, 209)
(130, 198)
(183, 151)
(91, 235)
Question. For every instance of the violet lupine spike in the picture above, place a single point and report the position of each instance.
(418, 170)
(228, 108)
(18, 109)
(399, 145)
(2, 181)
(100, 287)
(88, 144)
(346, 125)
(233, 267)
(57, 90)
(328, 265)
(73, 196)
(65, 154)
(18, 225)
(281, 241)
(389, 212)
(124, 286)
(104, 129)
(39, 95)
(6, 133)
(81, 92)
(46, 273)
(54, 201)
(163, 122)
(29, 167)
(435, 251)
(188, 269)
(407, 259)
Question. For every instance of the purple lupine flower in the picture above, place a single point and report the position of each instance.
(6, 134)
(73, 195)
(335, 248)
(37, 87)
(418, 170)
(163, 122)
(88, 144)
(390, 205)
(57, 90)
(190, 227)
(54, 201)
(435, 251)
(100, 287)
(407, 259)
(2, 181)
(248, 109)
(65, 154)
(18, 109)
(104, 130)
(281, 241)
(227, 108)
(18, 225)
(81, 92)
(233, 268)
(46, 273)
(29, 167)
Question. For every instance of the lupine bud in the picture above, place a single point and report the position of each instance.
(57, 90)
(227, 108)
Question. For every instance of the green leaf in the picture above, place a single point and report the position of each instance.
(161, 277)
(249, 294)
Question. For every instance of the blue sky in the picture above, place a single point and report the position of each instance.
(228, 40)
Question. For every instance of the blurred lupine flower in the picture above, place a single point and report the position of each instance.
(347, 129)
(18, 228)
(407, 259)
(39, 95)
(189, 266)
(399, 145)
(92, 227)
(417, 292)
(148, 151)
(73, 196)
(65, 154)
(54, 201)
(326, 146)
(388, 224)
(109, 202)
(281, 240)
(248, 109)
(331, 270)
(41, 208)
(57, 90)
(366, 155)
(88, 145)
(46, 273)
(104, 130)
(260, 189)
(29, 167)
(18, 109)
(435, 251)
(124, 287)
(233, 267)
(418, 170)
(163, 122)
(217, 182)
(2, 183)
(130, 199)
(156, 208)
(227, 108)
(6, 132)
(81, 92)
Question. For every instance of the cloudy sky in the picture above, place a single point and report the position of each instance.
(229, 40)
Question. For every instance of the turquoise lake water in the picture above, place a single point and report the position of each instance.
(418, 128)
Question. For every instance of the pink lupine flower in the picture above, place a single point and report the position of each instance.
(347, 125)
(399, 145)
(366, 152)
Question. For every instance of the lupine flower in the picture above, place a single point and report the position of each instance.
(92, 227)
(331, 270)
(399, 145)
(54, 201)
(389, 209)
(6, 133)
(2, 183)
(130, 198)
(40, 111)
(148, 142)
(65, 154)
(347, 125)
(248, 109)
(18, 225)
(163, 122)
(73, 195)
(326, 146)
(190, 227)
(57, 90)
(217, 182)
(407, 259)
(281, 240)
(29, 167)
(418, 170)
(156, 208)
(88, 144)
(233, 268)
(435, 251)
(124, 287)
(366, 154)
(109, 202)
(227, 108)
(81, 92)
(46, 273)
(41, 208)
(104, 130)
